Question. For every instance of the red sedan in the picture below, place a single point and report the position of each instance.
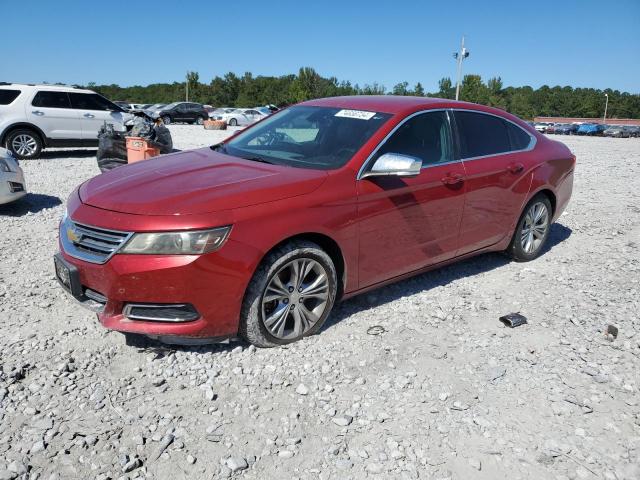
(262, 234)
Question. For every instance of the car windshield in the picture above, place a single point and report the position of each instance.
(307, 137)
(171, 105)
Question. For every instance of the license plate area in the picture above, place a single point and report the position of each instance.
(68, 276)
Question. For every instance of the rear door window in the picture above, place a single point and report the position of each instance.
(49, 99)
(8, 96)
(90, 101)
(481, 134)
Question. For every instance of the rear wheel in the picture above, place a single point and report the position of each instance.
(290, 295)
(166, 119)
(200, 121)
(532, 230)
(24, 144)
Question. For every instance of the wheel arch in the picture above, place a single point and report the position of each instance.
(548, 192)
(23, 125)
(326, 243)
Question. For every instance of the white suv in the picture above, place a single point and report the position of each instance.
(33, 117)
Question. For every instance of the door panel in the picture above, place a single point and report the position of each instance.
(52, 113)
(94, 111)
(494, 199)
(406, 223)
(92, 120)
(498, 161)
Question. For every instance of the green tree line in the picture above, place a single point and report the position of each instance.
(248, 91)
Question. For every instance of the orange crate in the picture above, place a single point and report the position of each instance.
(138, 149)
(215, 125)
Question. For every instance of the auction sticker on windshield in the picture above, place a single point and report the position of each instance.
(359, 114)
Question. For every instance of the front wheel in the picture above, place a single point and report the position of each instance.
(233, 122)
(166, 119)
(200, 121)
(24, 144)
(532, 230)
(290, 295)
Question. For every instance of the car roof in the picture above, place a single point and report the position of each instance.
(396, 104)
(45, 86)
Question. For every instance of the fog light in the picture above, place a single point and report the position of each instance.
(177, 312)
(16, 187)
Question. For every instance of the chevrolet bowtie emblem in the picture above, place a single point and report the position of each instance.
(72, 235)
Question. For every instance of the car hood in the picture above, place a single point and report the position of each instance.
(196, 182)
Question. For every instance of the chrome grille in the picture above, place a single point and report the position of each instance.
(89, 243)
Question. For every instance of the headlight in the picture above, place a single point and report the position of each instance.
(177, 243)
(4, 166)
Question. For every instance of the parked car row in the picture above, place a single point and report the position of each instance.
(240, 116)
(191, 112)
(589, 129)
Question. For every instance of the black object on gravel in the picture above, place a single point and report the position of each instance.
(513, 320)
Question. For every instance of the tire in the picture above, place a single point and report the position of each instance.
(25, 144)
(200, 121)
(166, 120)
(290, 325)
(233, 122)
(525, 246)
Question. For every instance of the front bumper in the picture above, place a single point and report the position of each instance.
(213, 284)
(12, 186)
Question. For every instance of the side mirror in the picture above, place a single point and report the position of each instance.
(395, 164)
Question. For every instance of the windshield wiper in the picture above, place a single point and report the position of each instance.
(257, 159)
(219, 147)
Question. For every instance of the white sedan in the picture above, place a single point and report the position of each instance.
(241, 116)
(12, 186)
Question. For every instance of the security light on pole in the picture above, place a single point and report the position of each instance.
(460, 56)
(606, 104)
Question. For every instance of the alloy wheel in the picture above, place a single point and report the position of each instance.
(534, 227)
(24, 145)
(295, 298)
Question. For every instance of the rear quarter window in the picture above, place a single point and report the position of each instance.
(519, 139)
(8, 96)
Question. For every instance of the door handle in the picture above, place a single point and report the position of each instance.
(37, 112)
(515, 168)
(452, 178)
(89, 115)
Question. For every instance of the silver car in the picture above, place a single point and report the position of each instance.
(242, 116)
(12, 186)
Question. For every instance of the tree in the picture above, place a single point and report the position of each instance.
(250, 91)
(306, 85)
(473, 90)
(193, 84)
(446, 89)
(401, 89)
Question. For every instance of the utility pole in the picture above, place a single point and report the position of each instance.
(460, 56)
(186, 84)
(606, 104)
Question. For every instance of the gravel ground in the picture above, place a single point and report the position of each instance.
(444, 391)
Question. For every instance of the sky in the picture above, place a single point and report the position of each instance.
(581, 43)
